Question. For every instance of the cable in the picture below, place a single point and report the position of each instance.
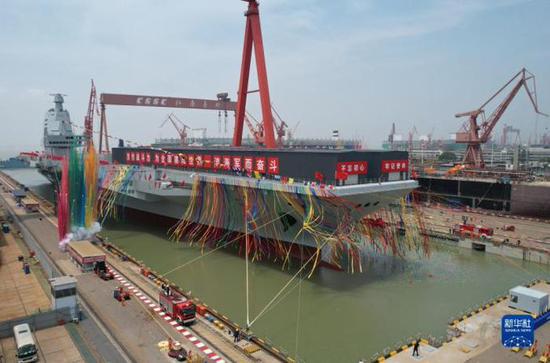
(284, 287)
(222, 246)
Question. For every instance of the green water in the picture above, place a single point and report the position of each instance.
(334, 316)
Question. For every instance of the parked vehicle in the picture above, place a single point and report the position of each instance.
(473, 231)
(177, 307)
(25, 344)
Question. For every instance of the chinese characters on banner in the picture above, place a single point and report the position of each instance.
(394, 166)
(352, 167)
(517, 331)
(249, 164)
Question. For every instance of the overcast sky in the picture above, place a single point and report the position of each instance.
(354, 65)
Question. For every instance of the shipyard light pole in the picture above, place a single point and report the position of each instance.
(253, 37)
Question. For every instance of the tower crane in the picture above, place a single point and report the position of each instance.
(280, 127)
(507, 130)
(257, 130)
(391, 136)
(411, 135)
(474, 134)
(180, 127)
(291, 133)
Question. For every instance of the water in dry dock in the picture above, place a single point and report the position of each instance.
(333, 317)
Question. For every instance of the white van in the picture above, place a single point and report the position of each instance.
(25, 344)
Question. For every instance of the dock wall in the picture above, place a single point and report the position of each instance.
(531, 200)
(522, 253)
(39, 321)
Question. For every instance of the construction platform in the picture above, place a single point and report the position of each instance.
(478, 338)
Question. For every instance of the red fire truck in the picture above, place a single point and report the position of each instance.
(472, 231)
(177, 307)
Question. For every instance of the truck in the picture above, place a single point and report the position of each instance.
(177, 307)
(473, 231)
(100, 269)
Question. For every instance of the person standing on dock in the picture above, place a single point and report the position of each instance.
(415, 348)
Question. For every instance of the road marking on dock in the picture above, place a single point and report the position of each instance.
(178, 327)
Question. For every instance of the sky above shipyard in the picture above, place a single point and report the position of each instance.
(352, 65)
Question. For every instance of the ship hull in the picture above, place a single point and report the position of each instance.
(285, 224)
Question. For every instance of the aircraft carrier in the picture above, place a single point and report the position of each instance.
(160, 181)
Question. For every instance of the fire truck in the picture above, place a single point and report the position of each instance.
(177, 307)
(472, 231)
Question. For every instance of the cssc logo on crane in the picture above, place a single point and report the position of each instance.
(154, 101)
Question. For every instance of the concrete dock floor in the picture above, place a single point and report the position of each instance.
(21, 294)
(531, 233)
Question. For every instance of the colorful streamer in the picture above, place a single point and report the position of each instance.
(78, 190)
(293, 217)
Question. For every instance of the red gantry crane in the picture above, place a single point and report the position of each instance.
(474, 134)
(253, 40)
(221, 104)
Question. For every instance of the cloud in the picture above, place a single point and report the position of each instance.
(357, 58)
